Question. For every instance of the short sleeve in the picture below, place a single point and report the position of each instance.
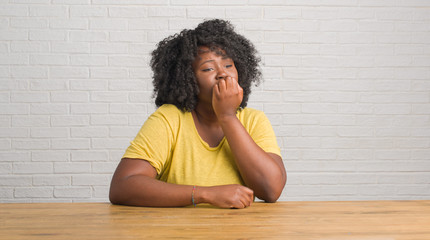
(155, 140)
(261, 131)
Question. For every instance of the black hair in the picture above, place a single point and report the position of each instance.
(173, 76)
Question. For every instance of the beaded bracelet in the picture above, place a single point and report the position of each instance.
(192, 196)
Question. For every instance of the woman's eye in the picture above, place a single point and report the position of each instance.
(207, 69)
(228, 66)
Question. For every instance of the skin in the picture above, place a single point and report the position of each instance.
(134, 181)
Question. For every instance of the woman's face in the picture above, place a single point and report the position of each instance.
(210, 67)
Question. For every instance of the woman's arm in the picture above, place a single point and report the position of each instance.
(134, 183)
(261, 171)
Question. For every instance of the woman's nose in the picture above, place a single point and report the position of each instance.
(221, 74)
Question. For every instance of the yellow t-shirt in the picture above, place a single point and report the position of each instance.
(169, 141)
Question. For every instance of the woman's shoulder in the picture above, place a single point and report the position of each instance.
(169, 112)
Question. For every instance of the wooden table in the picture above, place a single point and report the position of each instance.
(368, 220)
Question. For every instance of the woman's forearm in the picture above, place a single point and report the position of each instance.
(263, 172)
(141, 190)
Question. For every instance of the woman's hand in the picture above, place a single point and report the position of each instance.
(226, 196)
(227, 96)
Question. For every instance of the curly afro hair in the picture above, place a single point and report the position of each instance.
(173, 76)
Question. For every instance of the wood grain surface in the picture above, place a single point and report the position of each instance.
(368, 220)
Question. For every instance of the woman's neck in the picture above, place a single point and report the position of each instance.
(206, 115)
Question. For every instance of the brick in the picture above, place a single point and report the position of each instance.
(88, 11)
(69, 72)
(14, 108)
(91, 180)
(90, 156)
(72, 192)
(33, 192)
(49, 132)
(15, 156)
(75, 167)
(29, 97)
(48, 109)
(30, 121)
(69, 97)
(50, 156)
(89, 132)
(78, 24)
(52, 180)
(128, 12)
(32, 168)
(71, 144)
(70, 121)
(15, 181)
(13, 132)
(91, 108)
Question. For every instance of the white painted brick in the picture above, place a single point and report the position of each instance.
(29, 72)
(70, 121)
(14, 10)
(31, 144)
(128, 12)
(50, 156)
(166, 12)
(91, 180)
(110, 72)
(30, 121)
(47, 35)
(110, 48)
(14, 108)
(127, 85)
(48, 109)
(49, 132)
(74, 192)
(91, 108)
(96, 85)
(243, 13)
(51, 180)
(73, 47)
(28, 23)
(5, 168)
(45, 59)
(101, 192)
(29, 97)
(15, 180)
(70, 144)
(415, 73)
(127, 61)
(75, 167)
(88, 11)
(112, 143)
(69, 72)
(392, 108)
(13, 132)
(113, 97)
(319, 131)
(282, 13)
(69, 24)
(69, 97)
(15, 156)
(11, 35)
(32, 168)
(33, 192)
(108, 24)
(131, 36)
(89, 132)
(6, 193)
(88, 36)
(90, 156)
(189, 2)
(228, 2)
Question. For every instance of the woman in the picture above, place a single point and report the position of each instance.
(202, 145)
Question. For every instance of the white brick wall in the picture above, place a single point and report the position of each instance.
(347, 88)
